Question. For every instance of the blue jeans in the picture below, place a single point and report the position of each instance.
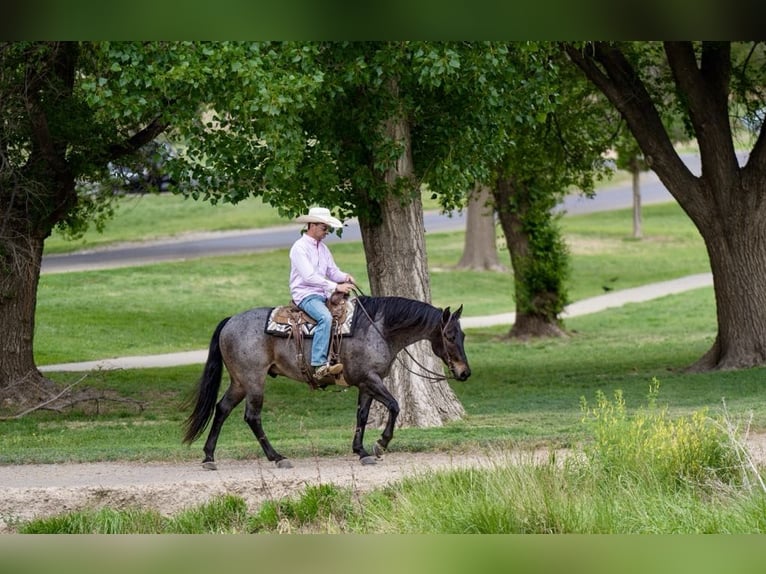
(316, 307)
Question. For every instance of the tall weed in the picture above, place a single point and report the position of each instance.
(652, 445)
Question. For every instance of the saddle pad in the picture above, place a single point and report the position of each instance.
(281, 319)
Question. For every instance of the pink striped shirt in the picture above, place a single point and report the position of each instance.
(312, 269)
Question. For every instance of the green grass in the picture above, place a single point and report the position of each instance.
(225, 514)
(175, 306)
(519, 393)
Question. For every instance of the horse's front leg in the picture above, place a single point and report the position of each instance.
(363, 403)
(376, 390)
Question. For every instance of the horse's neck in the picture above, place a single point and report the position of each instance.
(401, 338)
(408, 332)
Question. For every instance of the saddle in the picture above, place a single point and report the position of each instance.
(292, 322)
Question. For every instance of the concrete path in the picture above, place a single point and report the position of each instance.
(584, 307)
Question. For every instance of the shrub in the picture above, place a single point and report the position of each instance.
(651, 444)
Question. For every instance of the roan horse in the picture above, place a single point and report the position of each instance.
(383, 326)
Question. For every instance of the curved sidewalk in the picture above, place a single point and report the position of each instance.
(584, 307)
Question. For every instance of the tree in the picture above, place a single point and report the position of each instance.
(708, 83)
(557, 142)
(59, 129)
(630, 158)
(480, 251)
(382, 119)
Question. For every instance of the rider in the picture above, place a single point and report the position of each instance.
(313, 278)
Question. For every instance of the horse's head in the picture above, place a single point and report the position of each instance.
(449, 345)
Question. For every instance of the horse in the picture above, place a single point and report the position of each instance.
(382, 326)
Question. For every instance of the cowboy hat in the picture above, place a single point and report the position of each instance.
(319, 215)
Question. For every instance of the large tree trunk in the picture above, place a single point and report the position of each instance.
(726, 202)
(480, 250)
(21, 384)
(736, 247)
(538, 302)
(397, 265)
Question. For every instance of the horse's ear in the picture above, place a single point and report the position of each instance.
(445, 316)
(456, 314)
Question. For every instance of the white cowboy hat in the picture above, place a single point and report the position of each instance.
(319, 215)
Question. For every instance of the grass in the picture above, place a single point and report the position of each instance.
(519, 393)
(175, 306)
(159, 216)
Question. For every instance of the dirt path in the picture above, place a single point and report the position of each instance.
(33, 491)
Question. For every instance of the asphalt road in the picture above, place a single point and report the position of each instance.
(250, 241)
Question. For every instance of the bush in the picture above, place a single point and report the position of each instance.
(651, 444)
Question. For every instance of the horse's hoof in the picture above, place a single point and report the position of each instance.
(284, 463)
(365, 460)
(378, 450)
(209, 465)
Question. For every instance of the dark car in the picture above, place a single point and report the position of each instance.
(145, 172)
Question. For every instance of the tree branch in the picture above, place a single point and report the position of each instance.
(604, 64)
(139, 139)
(45, 403)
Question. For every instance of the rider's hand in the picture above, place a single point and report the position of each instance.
(344, 287)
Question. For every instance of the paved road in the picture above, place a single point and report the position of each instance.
(250, 241)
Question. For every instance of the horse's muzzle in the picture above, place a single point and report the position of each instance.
(461, 371)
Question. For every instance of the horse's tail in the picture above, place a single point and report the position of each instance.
(207, 389)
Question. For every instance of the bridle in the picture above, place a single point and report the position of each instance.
(431, 375)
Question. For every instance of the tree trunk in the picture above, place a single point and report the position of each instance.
(21, 384)
(637, 232)
(34, 197)
(480, 251)
(736, 247)
(397, 265)
(538, 303)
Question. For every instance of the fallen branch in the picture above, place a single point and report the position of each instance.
(44, 403)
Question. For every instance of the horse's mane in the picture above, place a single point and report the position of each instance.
(400, 312)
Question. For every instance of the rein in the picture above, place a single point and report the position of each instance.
(432, 375)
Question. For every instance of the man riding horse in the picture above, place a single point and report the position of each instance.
(314, 277)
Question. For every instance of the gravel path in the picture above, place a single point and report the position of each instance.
(33, 491)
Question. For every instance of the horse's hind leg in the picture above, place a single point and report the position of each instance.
(231, 398)
(253, 410)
